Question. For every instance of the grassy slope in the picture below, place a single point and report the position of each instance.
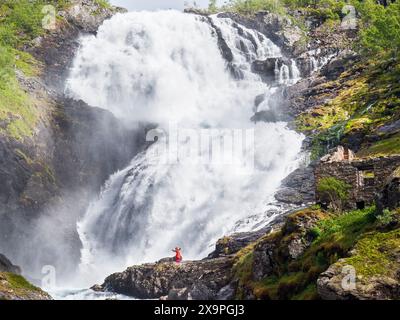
(364, 104)
(20, 23)
(15, 287)
(333, 238)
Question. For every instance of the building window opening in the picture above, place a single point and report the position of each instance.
(361, 205)
(368, 178)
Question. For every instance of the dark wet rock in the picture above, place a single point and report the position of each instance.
(227, 292)
(7, 266)
(223, 46)
(268, 116)
(100, 141)
(267, 68)
(264, 263)
(389, 197)
(73, 149)
(97, 288)
(279, 29)
(258, 100)
(179, 294)
(299, 187)
(289, 195)
(232, 244)
(391, 128)
(197, 280)
(339, 64)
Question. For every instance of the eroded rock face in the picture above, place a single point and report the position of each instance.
(72, 151)
(299, 187)
(197, 280)
(88, 15)
(285, 245)
(57, 48)
(264, 263)
(232, 244)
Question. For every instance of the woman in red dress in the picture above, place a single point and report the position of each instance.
(178, 255)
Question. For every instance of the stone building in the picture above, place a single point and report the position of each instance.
(367, 177)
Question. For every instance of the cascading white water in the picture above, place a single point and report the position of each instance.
(165, 67)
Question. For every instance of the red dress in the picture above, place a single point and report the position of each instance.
(178, 256)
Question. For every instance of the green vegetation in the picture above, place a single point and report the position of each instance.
(380, 35)
(374, 255)
(333, 191)
(20, 23)
(367, 95)
(364, 105)
(212, 6)
(383, 147)
(332, 238)
(14, 286)
(249, 7)
(17, 110)
(103, 3)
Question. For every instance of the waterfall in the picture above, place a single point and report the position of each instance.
(294, 71)
(166, 68)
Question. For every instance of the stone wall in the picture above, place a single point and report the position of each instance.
(366, 176)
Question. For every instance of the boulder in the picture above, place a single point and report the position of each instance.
(299, 187)
(234, 243)
(88, 15)
(339, 64)
(265, 262)
(330, 286)
(198, 280)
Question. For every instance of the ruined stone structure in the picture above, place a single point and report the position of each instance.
(366, 176)
(389, 198)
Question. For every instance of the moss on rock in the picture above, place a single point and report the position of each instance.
(16, 287)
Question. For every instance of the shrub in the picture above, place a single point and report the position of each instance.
(6, 64)
(212, 6)
(249, 7)
(334, 191)
(385, 218)
(380, 33)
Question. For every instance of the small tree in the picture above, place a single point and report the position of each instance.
(334, 191)
(212, 6)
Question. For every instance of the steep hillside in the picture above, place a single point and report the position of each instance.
(55, 152)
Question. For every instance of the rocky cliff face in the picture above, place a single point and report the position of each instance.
(74, 147)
